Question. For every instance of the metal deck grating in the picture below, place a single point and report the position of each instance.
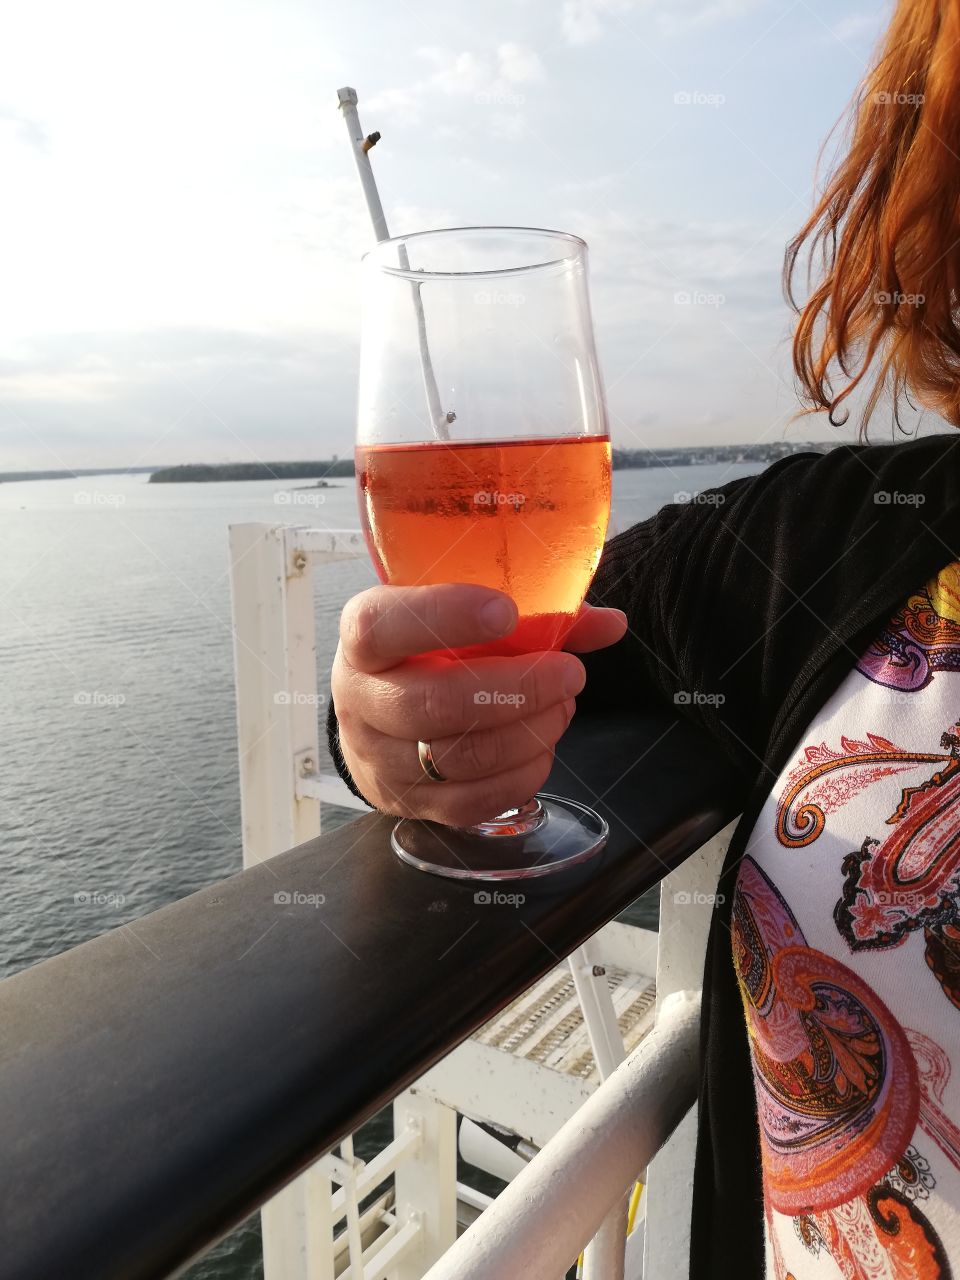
(545, 1025)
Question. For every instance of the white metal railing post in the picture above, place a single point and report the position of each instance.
(275, 658)
(278, 712)
(426, 1182)
(603, 1258)
(686, 903)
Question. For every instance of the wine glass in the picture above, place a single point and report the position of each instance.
(483, 456)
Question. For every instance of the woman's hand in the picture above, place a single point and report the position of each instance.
(492, 723)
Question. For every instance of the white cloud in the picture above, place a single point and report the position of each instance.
(580, 20)
(23, 129)
(456, 73)
(675, 298)
(488, 79)
(511, 126)
(584, 21)
(156, 396)
(519, 65)
(856, 26)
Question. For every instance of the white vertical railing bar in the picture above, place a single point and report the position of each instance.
(425, 1182)
(539, 1224)
(354, 1238)
(686, 905)
(370, 1175)
(385, 1253)
(599, 1014)
(274, 654)
(278, 708)
(604, 1256)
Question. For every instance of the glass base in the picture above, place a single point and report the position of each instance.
(543, 837)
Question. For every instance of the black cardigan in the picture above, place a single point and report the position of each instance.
(763, 594)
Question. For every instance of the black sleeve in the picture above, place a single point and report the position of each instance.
(701, 608)
(336, 752)
(735, 598)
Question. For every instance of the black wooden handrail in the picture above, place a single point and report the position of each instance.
(160, 1082)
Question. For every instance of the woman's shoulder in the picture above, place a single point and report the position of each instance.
(930, 462)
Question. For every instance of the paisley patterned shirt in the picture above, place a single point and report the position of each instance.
(846, 943)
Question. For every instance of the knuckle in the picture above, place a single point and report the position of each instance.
(468, 810)
(344, 689)
(541, 769)
(361, 741)
(359, 624)
(545, 730)
(481, 753)
(449, 806)
(430, 611)
(538, 687)
(440, 704)
(557, 724)
(498, 795)
(386, 799)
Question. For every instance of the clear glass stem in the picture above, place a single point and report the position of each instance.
(512, 822)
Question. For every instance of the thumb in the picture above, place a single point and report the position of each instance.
(595, 628)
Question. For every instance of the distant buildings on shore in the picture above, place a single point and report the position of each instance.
(691, 455)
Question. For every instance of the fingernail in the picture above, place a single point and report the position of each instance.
(498, 616)
(574, 678)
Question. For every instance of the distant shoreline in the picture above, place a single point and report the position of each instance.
(198, 473)
(623, 460)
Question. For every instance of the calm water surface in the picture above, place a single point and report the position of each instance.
(119, 788)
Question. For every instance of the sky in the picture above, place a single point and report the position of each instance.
(181, 223)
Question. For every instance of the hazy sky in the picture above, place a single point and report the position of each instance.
(181, 221)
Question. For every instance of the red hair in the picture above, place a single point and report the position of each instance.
(884, 238)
